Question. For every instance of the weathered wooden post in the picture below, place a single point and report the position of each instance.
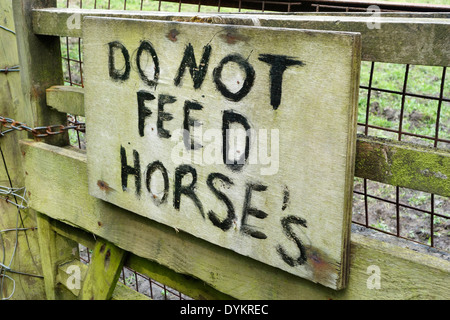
(23, 255)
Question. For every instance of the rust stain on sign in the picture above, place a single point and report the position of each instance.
(233, 37)
(172, 35)
(104, 186)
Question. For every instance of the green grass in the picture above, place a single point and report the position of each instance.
(381, 225)
(420, 114)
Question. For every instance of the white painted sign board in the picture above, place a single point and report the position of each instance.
(241, 136)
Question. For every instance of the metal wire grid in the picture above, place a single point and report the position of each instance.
(441, 100)
(390, 209)
(149, 287)
(400, 212)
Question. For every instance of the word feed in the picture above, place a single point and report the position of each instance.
(213, 130)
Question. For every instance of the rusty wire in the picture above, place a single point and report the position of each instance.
(42, 131)
(7, 192)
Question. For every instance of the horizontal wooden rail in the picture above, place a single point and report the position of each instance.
(67, 99)
(403, 164)
(424, 41)
(57, 178)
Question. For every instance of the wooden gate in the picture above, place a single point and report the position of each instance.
(55, 176)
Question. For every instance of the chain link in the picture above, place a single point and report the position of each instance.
(44, 131)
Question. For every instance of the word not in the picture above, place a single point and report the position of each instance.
(278, 65)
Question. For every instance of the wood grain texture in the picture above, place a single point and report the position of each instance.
(66, 99)
(190, 286)
(103, 272)
(40, 68)
(405, 273)
(54, 250)
(75, 268)
(71, 275)
(403, 164)
(269, 206)
(12, 105)
(400, 39)
(38, 58)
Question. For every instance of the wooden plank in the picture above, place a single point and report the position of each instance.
(26, 257)
(405, 272)
(66, 99)
(392, 40)
(242, 197)
(48, 252)
(384, 14)
(72, 276)
(54, 251)
(123, 292)
(40, 68)
(80, 236)
(400, 39)
(405, 165)
(190, 286)
(104, 271)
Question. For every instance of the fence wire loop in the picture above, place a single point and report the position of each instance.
(16, 193)
(7, 69)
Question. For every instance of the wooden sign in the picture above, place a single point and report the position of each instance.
(241, 136)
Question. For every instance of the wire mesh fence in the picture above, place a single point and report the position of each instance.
(140, 282)
(404, 103)
(399, 102)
